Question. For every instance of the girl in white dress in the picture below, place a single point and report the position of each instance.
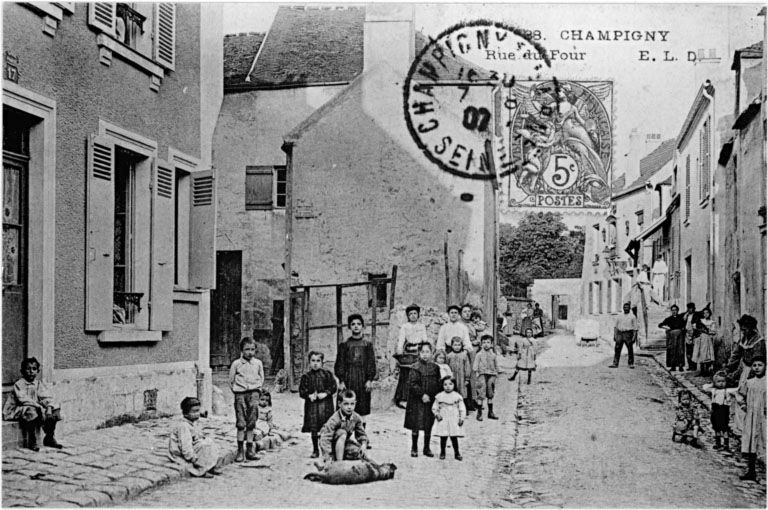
(450, 413)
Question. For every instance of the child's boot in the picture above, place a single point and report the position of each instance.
(725, 443)
(750, 474)
(455, 444)
(491, 416)
(479, 414)
(29, 433)
(368, 444)
(240, 452)
(415, 444)
(315, 450)
(427, 451)
(49, 427)
(250, 452)
(718, 444)
(443, 442)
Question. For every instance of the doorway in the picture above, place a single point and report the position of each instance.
(226, 303)
(15, 242)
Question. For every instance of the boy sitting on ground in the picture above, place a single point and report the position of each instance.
(343, 435)
(32, 404)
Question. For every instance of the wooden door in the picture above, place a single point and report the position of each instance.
(15, 228)
(226, 302)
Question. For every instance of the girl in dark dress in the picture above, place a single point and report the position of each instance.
(317, 388)
(356, 365)
(423, 385)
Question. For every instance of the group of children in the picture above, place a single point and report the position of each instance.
(751, 399)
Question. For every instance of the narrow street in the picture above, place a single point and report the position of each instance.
(587, 436)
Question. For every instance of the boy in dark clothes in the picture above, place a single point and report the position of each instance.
(317, 388)
(356, 366)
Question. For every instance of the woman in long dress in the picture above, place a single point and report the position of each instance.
(704, 344)
(412, 333)
(749, 346)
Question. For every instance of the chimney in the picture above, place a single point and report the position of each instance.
(389, 36)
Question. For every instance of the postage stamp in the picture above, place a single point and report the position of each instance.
(481, 101)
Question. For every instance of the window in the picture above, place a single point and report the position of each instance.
(265, 187)
(640, 217)
(687, 187)
(562, 312)
(142, 34)
(626, 227)
(126, 303)
(379, 290)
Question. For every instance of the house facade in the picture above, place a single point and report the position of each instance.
(360, 196)
(109, 214)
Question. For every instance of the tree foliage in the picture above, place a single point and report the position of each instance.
(541, 246)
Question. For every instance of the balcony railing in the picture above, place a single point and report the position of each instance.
(126, 306)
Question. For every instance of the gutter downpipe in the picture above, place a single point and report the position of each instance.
(287, 355)
(712, 241)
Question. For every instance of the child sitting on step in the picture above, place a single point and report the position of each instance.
(32, 404)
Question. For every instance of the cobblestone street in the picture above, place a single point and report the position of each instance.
(589, 436)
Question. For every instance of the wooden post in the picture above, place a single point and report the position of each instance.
(447, 273)
(287, 326)
(375, 306)
(339, 317)
(392, 288)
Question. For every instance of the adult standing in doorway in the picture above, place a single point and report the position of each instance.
(675, 327)
(691, 318)
(412, 333)
(356, 366)
(625, 333)
(659, 277)
(749, 346)
(538, 320)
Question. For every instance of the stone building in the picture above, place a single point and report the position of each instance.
(108, 116)
(360, 196)
(739, 215)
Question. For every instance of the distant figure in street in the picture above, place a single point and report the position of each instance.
(318, 389)
(659, 277)
(246, 377)
(450, 414)
(750, 345)
(526, 355)
(441, 360)
(356, 366)
(343, 436)
(751, 398)
(691, 316)
(675, 327)
(486, 370)
(538, 320)
(704, 342)
(468, 320)
(625, 333)
(423, 385)
(721, 408)
(411, 334)
(188, 445)
(458, 360)
(687, 421)
(31, 402)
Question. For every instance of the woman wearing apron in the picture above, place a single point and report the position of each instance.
(412, 333)
(750, 345)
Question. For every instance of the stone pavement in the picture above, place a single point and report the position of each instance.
(482, 479)
(101, 467)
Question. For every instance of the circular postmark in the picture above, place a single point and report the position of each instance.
(477, 106)
(453, 97)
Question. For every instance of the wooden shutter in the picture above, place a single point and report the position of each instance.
(687, 186)
(165, 35)
(163, 239)
(100, 238)
(202, 231)
(102, 15)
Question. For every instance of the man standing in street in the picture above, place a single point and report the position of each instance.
(625, 332)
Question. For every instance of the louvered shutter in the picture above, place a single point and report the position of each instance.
(102, 15)
(165, 35)
(202, 231)
(100, 239)
(163, 239)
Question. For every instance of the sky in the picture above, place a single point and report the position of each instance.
(653, 96)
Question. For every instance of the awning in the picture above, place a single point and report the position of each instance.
(650, 229)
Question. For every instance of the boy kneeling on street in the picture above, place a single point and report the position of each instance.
(343, 435)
